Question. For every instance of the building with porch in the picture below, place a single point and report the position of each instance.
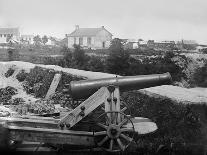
(90, 38)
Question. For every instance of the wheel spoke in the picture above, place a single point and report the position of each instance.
(127, 130)
(103, 141)
(102, 125)
(113, 117)
(123, 122)
(108, 120)
(100, 133)
(126, 137)
(120, 144)
(111, 144)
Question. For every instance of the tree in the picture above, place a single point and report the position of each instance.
(118, 59)
(95, 64)
(67, 56)
(79, 57)
(44, 39)
(8, 38)
(37, 40)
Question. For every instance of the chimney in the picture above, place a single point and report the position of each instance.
(102, 27)
(76, 27)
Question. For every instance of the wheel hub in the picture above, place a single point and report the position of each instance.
(113, 131)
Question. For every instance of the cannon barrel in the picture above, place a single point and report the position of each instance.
(84, 88)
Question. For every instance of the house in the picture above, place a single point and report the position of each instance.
(27, 39)
(187, 44)
(52, 41)
(142, 44)
(95, 38)
(163, 45)
(131, 44)
(8, 33)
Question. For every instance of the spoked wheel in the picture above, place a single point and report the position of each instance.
(114, 136)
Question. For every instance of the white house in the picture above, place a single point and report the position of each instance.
(7, 33)
(28, 39)
(94, 38)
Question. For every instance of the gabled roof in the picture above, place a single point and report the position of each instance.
(86, 32)
(14, 31)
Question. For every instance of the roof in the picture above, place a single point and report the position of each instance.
(14, 31)
(86, 32)
(27, 36)
(143, 42)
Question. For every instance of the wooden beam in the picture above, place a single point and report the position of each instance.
(30, 122)
(53, 86)
(53, 136)
(89, 105)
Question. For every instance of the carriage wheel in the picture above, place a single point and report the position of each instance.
(114, 136)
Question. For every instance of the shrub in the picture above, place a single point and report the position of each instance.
(21, 76)
(6, 94)
(200, 77)
(38, 81)
(9, 72)
(175, 121)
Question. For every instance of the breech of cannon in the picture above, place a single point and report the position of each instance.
(84, 88)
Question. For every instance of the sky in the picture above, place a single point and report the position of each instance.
(133, 19)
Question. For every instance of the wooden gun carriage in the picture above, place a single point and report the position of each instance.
(115, 130)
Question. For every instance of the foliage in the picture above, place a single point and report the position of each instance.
(118, 59)
(79, 57)
(21, 76)
(204, 50)
(9, 72)
(37, 40)
(157, 65)
(68, 56)
(200, 77)
(44, 39)
(95, 64)
(38, 81)
(175, 121)
(6, 94)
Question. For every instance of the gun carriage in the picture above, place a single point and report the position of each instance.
(113, 130)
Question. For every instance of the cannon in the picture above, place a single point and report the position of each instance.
(115, 130)
(84, 88)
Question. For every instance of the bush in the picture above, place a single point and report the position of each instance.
(95, 64)
(9, 72)
(200, 77)
(21, 76)
(38, 81)
(175, 121)
(6, 94)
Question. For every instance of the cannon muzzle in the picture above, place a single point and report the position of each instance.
(84, 88)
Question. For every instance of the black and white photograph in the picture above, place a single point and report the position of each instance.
(119, 77)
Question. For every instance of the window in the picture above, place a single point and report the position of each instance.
(74, 40)
(4, 35)
(103, 44)
(89, 40)
(0, 35)
(80, 41)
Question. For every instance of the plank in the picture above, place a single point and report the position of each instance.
(53, 136)
(90, 104)
(30, 122)
(53, 85)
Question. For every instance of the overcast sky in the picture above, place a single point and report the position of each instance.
(146, 19)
